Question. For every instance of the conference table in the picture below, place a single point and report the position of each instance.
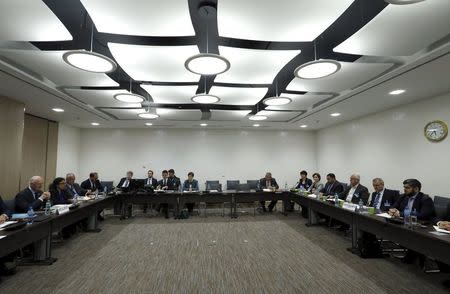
(421, 239)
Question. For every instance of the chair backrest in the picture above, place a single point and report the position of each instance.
(108, 184)
(243, 187)
(213, 185)
(344, 185)
(232, 184)
(442, 207)
(10, 204)
(253, 184)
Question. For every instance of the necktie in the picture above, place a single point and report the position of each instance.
(149, 181)
(329, 188)
(267, 184)
(377, 200)
(92, 186)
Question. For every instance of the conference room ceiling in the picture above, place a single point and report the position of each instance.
(378, 46)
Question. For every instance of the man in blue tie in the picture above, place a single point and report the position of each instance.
(382, 199)
(32, 196)
(413, 202)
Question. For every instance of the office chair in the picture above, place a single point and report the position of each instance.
(442, 207)
(232, 184)
(252, 204)
(212, 185)
(253, 184)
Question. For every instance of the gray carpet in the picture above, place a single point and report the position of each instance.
(262, 254)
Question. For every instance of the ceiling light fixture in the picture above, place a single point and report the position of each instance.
(304, 126)
(397, 92)
(336, 114)
(317, 69)
(276, 100)
(205, 98)
(403, 2)
(95, 124)
(257, 117)
(58, 109)
(129, 98)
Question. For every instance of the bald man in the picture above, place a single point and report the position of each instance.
(355, 191)
(32, 196)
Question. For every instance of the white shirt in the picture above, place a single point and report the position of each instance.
(350, 193)
(125, 183)
(149, 181)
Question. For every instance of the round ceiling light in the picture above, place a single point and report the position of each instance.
(403, 2)
(205, 99)
(257, 117)
(276, 101)
(207, 64)
(148, 115)
(317, 69)
(129, 98)
(89, 61)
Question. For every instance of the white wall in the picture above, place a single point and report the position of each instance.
(210, 154)
(390, 145)
(68, 153)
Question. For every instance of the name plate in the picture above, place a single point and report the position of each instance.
(349, 206)
(60, 209)
(313, 196)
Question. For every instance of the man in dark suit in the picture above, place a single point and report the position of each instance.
(382, 199)
(173, 181)
(150, 181)
(355, 191)
(127, 183)
(266, 183)
(413, 201)
(332, 186)
(32, 196)
(73, 188)
(163, 185)
(92, 183)
(5, 213)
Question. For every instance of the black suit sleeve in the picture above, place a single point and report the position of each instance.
(275, 184)
(364, 195)
(121, 183)
(23, 203)
(4, 209)
(85, 185)
(343, 194)
(427, 208)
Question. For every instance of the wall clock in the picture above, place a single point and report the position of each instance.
(436, 131)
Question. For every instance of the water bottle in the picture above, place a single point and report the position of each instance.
(406, 214)
(48, 205)
(105, 190)
(190, 187)
(96, 194)
(360, 206)
(30, 212)
(336, 199)
(285, 186)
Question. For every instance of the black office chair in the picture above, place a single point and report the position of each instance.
(232, 184)
(10, 204)
(108, 184)
(213, 185)
(442, 207)
(253, 184)
(252, 204)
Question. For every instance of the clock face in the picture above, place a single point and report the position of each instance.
(436, 131)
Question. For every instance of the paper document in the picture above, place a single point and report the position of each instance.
(384, 214)
(7, 224)
(441, 230)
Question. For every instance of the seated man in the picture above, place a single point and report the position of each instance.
(7, 264)
(127, 183)
(92, 183)
(5, 213)
(173, 182)
(163, 185)
(32, 196)
(190, 185)
(355, 191)
(413, 201)
(267, 183)
(332, 186)
(73, 188)
(382, 198)
(150, 181)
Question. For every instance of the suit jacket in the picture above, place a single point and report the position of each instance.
(273, 183)
(161, 182)
(423, 205)
(389, 196)
(131, 186)
(308, 183)
(75, 188)
(333, 188)
(194, 184)
(173, 183)
(4, 209)
(361, 193)
(154, 182)
(24, 199)
(58, 197)
(87, 185)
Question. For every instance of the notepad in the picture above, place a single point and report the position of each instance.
(7, 224)
(20, 216)
(441, 230)
(385, 215)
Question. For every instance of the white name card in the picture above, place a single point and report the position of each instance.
(60, 209)
(349, 206)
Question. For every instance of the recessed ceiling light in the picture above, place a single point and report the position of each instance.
(58, 109)
(397, 92)
(335, 114)
(304, 126)
(203, 125)
(276, 101)
(256, 125)
(402, 2)
(317, 69)
(148, 115)
(257, 117)
(129, 97)
(148, 124)
(205, 99)
(95, 124)
(89, 61)
(207, 64)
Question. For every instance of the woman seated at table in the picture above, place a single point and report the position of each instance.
(59, 193)
(316, 186)
(190, 184)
